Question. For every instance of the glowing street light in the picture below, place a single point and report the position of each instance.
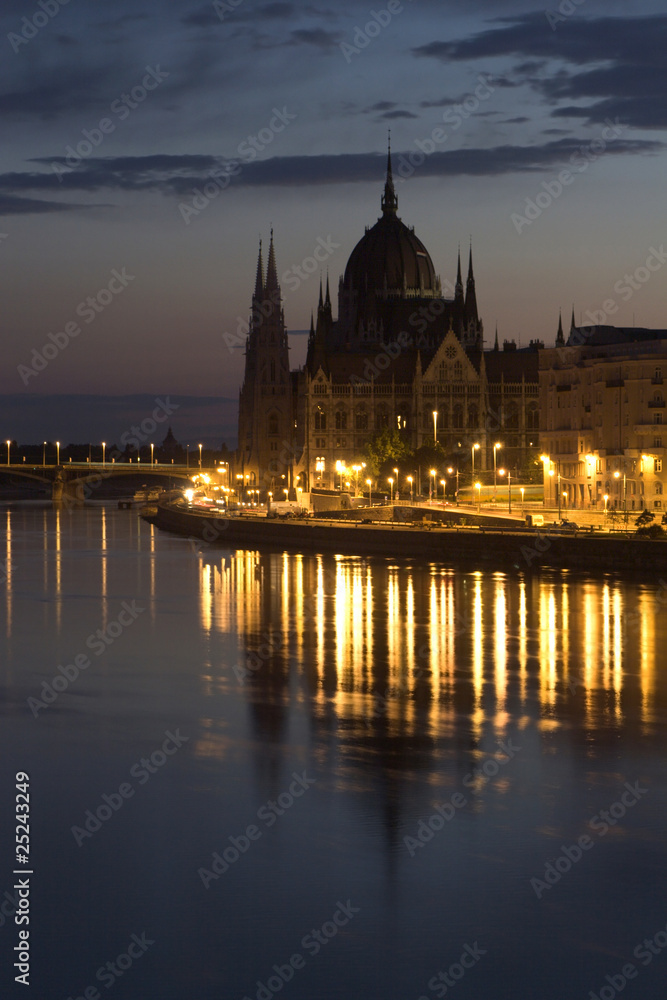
(605, 498)
(104, 450)
(8, 447)
(391, 489)
(522, 491)
(495, 449)
(625, 495)
(478, 487)
(370, 500)
(43, 452)
(152, 446)
(435, 427)
(474, 448)
(200, 447)
(57, 452)
(431, 485)
(501, 472)
(450, 470)
(443, 483)
(410, 481)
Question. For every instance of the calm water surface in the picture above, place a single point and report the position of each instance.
(370, 769)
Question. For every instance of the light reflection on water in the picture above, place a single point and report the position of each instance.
(389, 681)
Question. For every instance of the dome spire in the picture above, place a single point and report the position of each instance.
(389, 201)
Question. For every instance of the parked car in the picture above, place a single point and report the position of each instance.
(569, 525)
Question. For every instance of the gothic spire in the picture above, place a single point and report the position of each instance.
(271, 272)
(458, 294)
(259, 280)
(560, 339)
(495, 343)
(321, 302)
(327, 301)
(471, 297)
(389, 200)
(572, 322)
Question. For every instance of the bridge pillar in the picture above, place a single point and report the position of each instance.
(66, 493)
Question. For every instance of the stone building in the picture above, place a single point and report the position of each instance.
(400, 354)
(603, 418)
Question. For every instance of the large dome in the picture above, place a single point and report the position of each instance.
(389, 255)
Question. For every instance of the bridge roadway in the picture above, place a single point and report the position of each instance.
(77, 481)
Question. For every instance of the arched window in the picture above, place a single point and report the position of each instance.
(512, 416)
(273, 424)
(341, 420)
(532, 417)
(320, 419)
(273, 372)
(458, 371)
(458, 416)
(361, 420)
(472, 415)
(382, 417)
(658, 488)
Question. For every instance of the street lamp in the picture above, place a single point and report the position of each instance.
(605, 498)
(478, 487)
(443, 483)
(410, 481)
(8, 446)
(152, 446)
(44, 453)
(474, 448)
(104, 449)
(187, 456)
(450, 470)
(370, 499)
(435, 427)
(391, 489)
(501, 472)
(522, 499)
(57, 452)
(625, 496)
(200, 458)
(495, 449)
(431, 487)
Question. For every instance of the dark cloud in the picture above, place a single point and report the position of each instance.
(12, 205)
(211, 14)
(382, 106)
(390, 115)
(627, 78)
(178, 176)
(325, 40)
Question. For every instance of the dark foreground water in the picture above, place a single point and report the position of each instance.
(264, 774)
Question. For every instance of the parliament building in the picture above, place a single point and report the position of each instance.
(399, 354)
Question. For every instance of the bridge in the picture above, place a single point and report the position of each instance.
(75, 482)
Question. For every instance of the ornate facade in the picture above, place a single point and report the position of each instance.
(400, 354)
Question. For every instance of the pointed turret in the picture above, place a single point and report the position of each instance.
(259, 280)
(271, 272)
(495, 343)
(471, 297)
(327, 301)
(389, 200)
(458, 292)
(560, 339)
(572, 322)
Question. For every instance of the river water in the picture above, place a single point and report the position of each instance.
(258, 774)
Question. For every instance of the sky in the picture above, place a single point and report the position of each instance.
(537, 133)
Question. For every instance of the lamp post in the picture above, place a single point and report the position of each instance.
(435, 427)
(104, 450)
(605, 498)
(450, 470)
(625, 496)
(509, 492)
(495, 449)
(57, 452)
(410, 481)
(187, 456)
(443, 483)
(431, 486)
(558, 480)
(370, 499)
(152, 446)
(391, 489)
(478, 487)
(200, 457)
(522, 499)
(474, 448)
(44, 453)
(8, 447)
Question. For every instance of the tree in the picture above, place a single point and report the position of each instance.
(385, 449)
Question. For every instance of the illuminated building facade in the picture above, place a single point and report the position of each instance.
(603, 418)
(401, 354)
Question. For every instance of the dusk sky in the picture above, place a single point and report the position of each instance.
(500, 97)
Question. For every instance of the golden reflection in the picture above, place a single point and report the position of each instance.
(59, 568)
(6, 574)
(434, 641)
